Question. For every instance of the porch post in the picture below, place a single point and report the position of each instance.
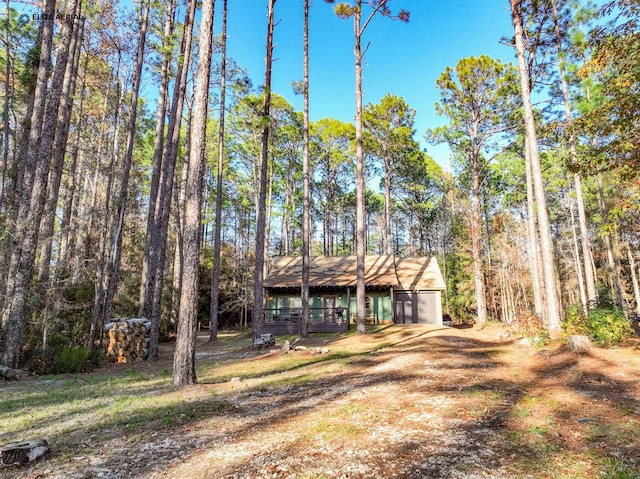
(348, 307)
(393, 305)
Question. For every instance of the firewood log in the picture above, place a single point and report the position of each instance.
(23, 452)
(9, 373)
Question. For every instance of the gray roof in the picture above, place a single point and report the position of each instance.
(385, 270)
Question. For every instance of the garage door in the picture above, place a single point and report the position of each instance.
(417, 307)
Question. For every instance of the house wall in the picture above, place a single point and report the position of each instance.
(379, 305)
(379, 302)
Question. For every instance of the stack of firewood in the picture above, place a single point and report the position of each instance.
(127, 339)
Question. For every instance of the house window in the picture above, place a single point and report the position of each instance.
(367, 302)
(290, 302)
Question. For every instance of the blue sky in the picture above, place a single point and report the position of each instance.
(403, 59)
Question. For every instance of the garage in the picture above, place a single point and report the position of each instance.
(413, 307)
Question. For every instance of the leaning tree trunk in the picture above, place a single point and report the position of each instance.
(59, 150)
(184, 371)
(577, 263)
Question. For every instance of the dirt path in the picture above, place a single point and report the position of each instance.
(443, 403)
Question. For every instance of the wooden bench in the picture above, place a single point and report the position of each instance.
(371, 318)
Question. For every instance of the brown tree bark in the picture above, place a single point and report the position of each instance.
(59, 149)
(146, 283)
(115, 253)
(261, 224)
(589, 276)
(217, 240)
(306, 213)
(184, 358)
(31, 205)
(361, 327)
(546, 245)
(476, 238)
(158, 238)
(612, 259)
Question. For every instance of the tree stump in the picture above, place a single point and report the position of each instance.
(23, 452)
(579, 343)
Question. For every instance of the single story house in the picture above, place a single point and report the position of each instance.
(398, 290)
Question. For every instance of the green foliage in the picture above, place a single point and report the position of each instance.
(604, 325)
(608, 326)
(575, 321)
(70, 359)
(479, 97)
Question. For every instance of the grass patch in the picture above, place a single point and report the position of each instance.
(613, 468)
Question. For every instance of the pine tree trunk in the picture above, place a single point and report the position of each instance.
(589, 277)
(59, 150)
(217, 239)
(261, 226)
(577, 263)
(113, 265)
(388, 243)
(184, 358)
(360, 183)
(612, 260)
(533, 244)
(32, 202)
(634, 278)
(546, 245)
(68, 220)
(158, 245)
(306, 216)
(100, 285)
(146, 283)
(8, 96)
(27, 166)
(476, 240)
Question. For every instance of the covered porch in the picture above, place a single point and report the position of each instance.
(286, 320)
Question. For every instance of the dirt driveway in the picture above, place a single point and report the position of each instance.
(405, 402)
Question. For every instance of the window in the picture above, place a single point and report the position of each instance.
(290, 302)
(367, 302)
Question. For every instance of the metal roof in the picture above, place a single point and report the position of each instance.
(330, 271)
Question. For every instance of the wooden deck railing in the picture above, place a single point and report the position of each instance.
(287, 320)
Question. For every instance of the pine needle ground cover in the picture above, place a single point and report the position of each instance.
(405, 402)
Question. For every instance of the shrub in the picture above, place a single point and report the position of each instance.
(70, 359)
(608, 326)
(576, 321)
(604, 325)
